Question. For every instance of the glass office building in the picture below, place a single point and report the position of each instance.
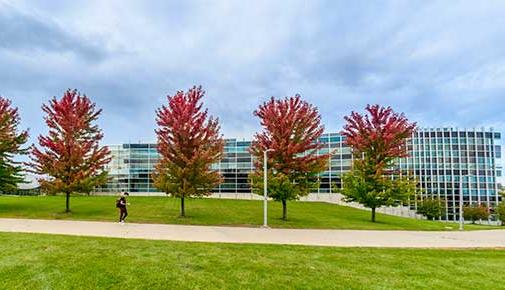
(446, 161)
(130, 168)
(453, 164)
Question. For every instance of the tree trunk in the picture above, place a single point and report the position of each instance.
(67, 208)
(183, 212)
(284, 210)
(373, 214)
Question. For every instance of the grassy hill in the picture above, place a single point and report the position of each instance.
(212, 212)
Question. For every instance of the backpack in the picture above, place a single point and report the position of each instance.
(118, 202)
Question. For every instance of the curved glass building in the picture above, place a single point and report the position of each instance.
(447, 162)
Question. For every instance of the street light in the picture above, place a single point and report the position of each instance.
(265, 196)
(461, 223)
(461, 209)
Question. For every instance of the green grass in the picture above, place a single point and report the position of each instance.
(34, 261)
(212, 212)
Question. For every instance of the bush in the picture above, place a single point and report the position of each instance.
(475, 212)
(18, 191)
(431, 208)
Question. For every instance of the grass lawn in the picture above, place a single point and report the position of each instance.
(33, 261)
(212, 212)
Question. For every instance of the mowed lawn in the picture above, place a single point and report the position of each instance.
(211, 212)
(33, 261)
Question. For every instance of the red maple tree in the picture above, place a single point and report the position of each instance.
(189, 143)
(377, 139)
(11, 141)
(70, 154)
(379, 135)
(291, 131)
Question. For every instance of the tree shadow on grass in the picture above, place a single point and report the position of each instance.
(62, 215)
(7, 207)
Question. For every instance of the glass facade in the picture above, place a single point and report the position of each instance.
(446, 161)
(130, 168)
(235, 167)
(450, 162)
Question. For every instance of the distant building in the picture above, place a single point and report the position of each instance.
(446, 161)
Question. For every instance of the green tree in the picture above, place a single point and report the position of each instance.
(475, 212)
(374, 191)
(431, 208)
(11, 141)
(282, 188)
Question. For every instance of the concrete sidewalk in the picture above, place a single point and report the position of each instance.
(339, 238)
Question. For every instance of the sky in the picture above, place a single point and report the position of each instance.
(442, 63)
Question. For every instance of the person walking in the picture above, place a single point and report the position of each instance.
(121, 205)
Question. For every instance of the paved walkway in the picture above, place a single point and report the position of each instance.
(340, 238)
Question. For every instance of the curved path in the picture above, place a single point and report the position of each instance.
(340, 238)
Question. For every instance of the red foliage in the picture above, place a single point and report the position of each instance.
(70, 153)
(380, 134)
(10, 139)
(188, 142)
(291, 130)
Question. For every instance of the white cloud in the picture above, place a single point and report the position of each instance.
(441, 63)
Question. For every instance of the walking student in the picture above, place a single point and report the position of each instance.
(121, 205)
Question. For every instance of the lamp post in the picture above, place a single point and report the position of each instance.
(265, 196)
(461, 203)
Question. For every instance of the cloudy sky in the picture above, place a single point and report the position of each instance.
(440, 62)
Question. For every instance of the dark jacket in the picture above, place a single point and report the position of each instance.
(121, 202)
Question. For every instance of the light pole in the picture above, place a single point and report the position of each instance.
(265, 196)
(461, 203)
